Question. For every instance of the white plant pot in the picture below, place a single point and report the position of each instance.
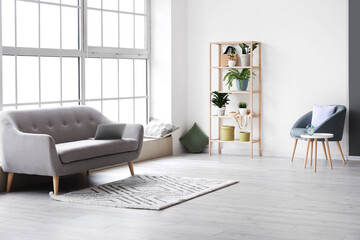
(231, 63)
(221, 111)
(245, 60)
(243, 111)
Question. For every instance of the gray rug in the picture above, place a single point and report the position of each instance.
(144, 192)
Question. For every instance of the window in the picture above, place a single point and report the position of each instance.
(71, 52)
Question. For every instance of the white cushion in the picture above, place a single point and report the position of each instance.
(158, 129)
(320, 114)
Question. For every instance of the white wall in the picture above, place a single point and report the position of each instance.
(304, 58)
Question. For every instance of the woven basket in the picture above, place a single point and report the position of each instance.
(227, 133)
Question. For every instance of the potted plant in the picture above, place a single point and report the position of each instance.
(232, 61)
(245, 53)
(220, 100)
(242, 108)
(242, 78)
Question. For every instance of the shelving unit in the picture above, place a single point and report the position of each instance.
(250, 92)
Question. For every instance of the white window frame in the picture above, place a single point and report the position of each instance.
(82, 53)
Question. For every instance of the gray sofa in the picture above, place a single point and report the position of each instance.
(57, 142)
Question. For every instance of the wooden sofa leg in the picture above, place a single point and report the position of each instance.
(87, 172)
(293, 154)
(56, 184)
(341, 152)
(9, 181)
(131, 167)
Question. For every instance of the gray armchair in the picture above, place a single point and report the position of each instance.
(334, 124)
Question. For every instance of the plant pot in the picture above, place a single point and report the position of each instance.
(227, 133)
(244, 136)
(231, 63)
(242, 85)
(243, 111)
(245, 60)
(221, 111)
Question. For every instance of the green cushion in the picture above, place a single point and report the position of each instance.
(194, 140)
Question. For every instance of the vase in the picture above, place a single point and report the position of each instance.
(242, 85)
(245, 60)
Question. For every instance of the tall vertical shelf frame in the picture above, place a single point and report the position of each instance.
(250, 92)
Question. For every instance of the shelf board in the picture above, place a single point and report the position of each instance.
(235, 42)
(235, 141)
(238, 67)
(238, 92)
(230, 117)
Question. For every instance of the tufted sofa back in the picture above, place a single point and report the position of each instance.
(64, 124)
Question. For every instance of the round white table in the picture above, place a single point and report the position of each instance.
(315, 137)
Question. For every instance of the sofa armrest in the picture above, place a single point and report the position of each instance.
(28, 153)
(135, 131)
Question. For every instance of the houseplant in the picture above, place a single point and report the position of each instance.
(245, 53)
(242, 108)
(220, 100)
(242, 78)
(232, 61)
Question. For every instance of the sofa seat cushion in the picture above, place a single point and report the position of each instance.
(90, 148)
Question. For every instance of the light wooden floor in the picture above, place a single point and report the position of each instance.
(275, 199)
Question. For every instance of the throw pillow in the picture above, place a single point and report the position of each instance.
(195, 139)
(320, 114)
(159, 129)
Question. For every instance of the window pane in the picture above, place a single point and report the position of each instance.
(94, 28)
(140, 111)
(9, 89)
(110, 4)
(126, 111)
(28, 79)
(126, 77)
(50, 79)
(94, 3)
(110, 29)
(93, 78)
(70, 78)
(140, 6)
(111, 109)
(27, 24)
(28, 106)
(70, 2)
(126, 31)
(52, 1)
(9, 108)
(139, 32)
(110, 79)
(70, 30)
(49, 26)
(140, 77)
(94, 104)
(8, 23)
(51, 105)
(126, 5)
(70, 104)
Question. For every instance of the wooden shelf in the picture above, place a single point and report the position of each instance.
(238, 92)
(235, 42)
(238, 67)
(235, 141)
(230, 117)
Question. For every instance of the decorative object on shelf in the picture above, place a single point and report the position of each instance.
(225, 57)
(232, 61)
(227, 133)
(159, 129)
(194, 140)
(220, 100)
(242, 108)
(244, 136)
(310, 129)
(242, 78)
(245, 56)
(243, 119)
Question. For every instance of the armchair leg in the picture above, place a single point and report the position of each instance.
(341, 152)
(9, 181)
(56, 184)
(323, 144)
(293, 154)
(131, 167)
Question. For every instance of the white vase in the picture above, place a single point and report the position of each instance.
(243, 111)
(231, 63)
(221, 111)
(245, 60)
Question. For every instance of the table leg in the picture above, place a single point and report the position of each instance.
(307, 152)
(311, 152)
(328, 150)
(323, 144)
(315, 162)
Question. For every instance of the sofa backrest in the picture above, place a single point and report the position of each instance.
(64, 124)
